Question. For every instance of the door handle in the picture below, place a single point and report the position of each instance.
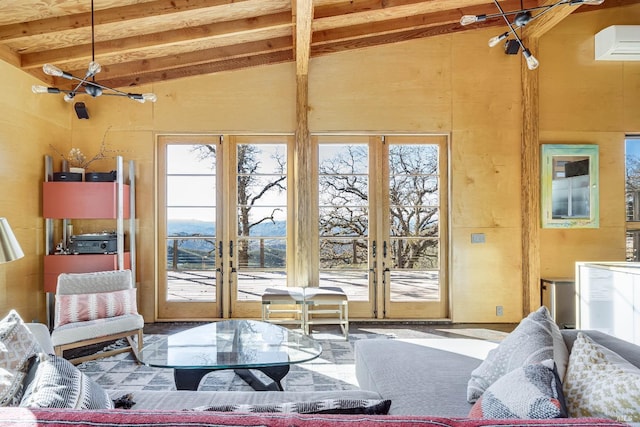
(374, 248)
(384, 249)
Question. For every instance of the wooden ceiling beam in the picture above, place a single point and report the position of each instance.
(549, 19)
(179, 10)
(192, 59)
(206, 68)
(386, 38)
(274, 23)
(387, 13)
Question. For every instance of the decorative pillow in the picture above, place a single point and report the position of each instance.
(59, 384)
(328, 406)
(17, 345)
(531, 391)
(81, 307)
(600, 383)
(531, 342)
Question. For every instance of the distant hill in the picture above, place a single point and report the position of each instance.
(202, 252)
(191, 227)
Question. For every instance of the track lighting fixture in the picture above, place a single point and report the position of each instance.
(522, 17)
(87, 84)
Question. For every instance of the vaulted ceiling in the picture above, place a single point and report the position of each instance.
(144, 41)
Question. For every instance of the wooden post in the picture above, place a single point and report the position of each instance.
(303, 227)
(530, 186)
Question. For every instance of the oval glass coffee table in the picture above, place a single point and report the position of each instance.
(240, 345)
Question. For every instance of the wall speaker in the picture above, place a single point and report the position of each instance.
(81, 110)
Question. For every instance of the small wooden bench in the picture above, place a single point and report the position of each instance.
(309, 306)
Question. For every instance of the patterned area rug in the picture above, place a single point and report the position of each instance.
(333, 370)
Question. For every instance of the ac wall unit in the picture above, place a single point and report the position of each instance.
(618, 43)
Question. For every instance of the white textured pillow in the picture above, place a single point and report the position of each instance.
(533, 341)
(600, 383)
(17, 344)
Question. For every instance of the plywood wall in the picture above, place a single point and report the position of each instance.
(28, 124)
(590, 102)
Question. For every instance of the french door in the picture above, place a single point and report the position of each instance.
(223, 223)
(382, 204)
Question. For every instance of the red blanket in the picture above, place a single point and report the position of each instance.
(24, 417)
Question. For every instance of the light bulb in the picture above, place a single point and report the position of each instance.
(468, 20)
(52, 70)
(151, 97)
(94, 68)
(39, 89)
(532, 62)
(497, 39)
(592, 2)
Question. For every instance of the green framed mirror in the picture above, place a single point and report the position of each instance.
(569, 186)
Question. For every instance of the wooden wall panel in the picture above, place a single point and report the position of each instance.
(28, 123)
(486, 275)
(577, 92)
(486, 92)
(401, 87)
(592, 102)
(260, 99)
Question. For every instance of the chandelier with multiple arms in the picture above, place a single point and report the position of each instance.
(87, 84)
(522, 18)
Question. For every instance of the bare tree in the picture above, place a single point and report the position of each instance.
(413, 193)
(414, 211)
(252, 187)
(344, 214)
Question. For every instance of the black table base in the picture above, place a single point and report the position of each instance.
(189, 379)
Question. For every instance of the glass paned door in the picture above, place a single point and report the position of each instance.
(343, 219)
(188, 242)
(260, 255)
(382, 223)
(415, 260)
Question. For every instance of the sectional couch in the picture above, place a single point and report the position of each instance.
(425, 380)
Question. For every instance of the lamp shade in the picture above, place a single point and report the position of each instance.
(9, 247)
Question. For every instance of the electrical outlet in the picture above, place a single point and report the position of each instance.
(499, 310)
(477, 237)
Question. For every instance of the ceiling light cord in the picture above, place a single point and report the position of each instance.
(87, 84)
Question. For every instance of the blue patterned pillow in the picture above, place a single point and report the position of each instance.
(531, 392)
(57, 383)
(327, 406)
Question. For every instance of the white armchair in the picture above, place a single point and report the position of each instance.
(96, 307)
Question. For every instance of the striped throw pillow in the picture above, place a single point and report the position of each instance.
(83, 307)
(57, 383)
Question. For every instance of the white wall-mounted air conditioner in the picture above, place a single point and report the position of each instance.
(618, 43)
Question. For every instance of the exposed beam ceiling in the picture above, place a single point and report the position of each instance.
(145, 41)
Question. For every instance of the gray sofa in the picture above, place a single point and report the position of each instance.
(429, 377)
(420, 377)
